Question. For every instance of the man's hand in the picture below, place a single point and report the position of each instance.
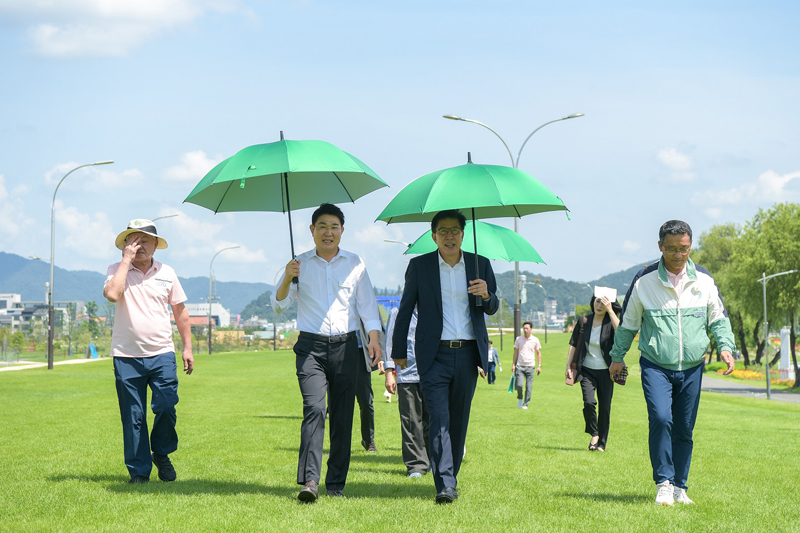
(401, 363)
(374, 347)
(132, 246)
(391, 384)
(615, 368)
(188, 362)
(479, 288)
(513, 367)
(538, 370)
(728, 358)
(292, 270)
(482, 373)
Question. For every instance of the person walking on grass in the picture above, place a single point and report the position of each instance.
(143, 291)
(450, 341)
(676, 304)
(333, 293)
(527, 352)
(494, 361)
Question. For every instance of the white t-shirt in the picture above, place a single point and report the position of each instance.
(594, 357)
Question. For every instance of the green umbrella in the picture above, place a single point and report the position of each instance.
(261, 178)
(492, 190)
(488, 191)
(497, 242)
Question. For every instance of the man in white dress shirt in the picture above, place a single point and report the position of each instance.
(333, 293)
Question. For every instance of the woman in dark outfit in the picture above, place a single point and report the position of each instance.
(588, 363)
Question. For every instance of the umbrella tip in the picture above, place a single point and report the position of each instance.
(469, 157)
(281, 134)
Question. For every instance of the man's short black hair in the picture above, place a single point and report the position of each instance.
(327, 209)
(674, 227)
(449, 213)
(531, 325)
(490, 342)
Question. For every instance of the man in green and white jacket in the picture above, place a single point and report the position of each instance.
(675, 304)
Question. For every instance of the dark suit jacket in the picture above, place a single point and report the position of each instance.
(423, 290)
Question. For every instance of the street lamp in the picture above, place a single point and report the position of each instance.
(210, 296)
(763, 280)
(545, 309)
(515, 164)
(165, 216)
(50, 308)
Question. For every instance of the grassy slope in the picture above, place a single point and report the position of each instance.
(61, 465)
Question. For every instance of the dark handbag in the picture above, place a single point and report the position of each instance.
(574, 366)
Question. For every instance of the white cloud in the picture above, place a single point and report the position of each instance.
(770, 187)
(94, 178)
(679, 163)
(630, 246)
(85, 235)
(194, 165)
(14, 222)
(92, 28)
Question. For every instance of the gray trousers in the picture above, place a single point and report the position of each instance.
(413, 427)
(527, 372)
(364, 397)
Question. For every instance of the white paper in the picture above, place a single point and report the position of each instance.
(608, 292)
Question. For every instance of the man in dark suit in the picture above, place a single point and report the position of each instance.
(451, 339)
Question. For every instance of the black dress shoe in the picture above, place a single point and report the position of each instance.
(166, 472)
(309, 492)
(448, 495)
(138, 479)
(336, 493)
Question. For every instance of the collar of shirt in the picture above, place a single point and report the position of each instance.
(154, 267)
(677, 279)
(460, 261)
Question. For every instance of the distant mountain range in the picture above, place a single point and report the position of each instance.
(28, 277)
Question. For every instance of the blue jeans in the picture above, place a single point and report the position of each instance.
(672, 398)
(133, 376)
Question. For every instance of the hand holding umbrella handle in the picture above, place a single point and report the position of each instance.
(478, 288)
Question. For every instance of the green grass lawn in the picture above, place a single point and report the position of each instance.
(61, 465)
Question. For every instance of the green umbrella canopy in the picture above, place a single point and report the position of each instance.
(496, 242)
(493, 191)
(256, 178)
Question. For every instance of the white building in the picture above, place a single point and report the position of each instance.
(220, 315)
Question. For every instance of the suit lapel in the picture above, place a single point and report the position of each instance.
(436, 280)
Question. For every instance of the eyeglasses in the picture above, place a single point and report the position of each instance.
(676, 251)
(444, 231)
(324, 227)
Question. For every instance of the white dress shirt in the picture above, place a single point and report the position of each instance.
(455, 301)
(331, 296)
(678, 280)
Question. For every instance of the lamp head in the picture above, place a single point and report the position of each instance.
(452, 117)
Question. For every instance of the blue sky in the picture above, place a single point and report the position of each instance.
(690, 112)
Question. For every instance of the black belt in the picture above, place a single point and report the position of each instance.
(333, 338)
(457, 344)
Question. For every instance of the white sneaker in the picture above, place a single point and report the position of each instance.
(519, 404)
(665, 494)
(415, 475)
(524, 406)
(680, 496)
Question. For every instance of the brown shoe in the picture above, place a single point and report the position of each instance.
(370, 447)
(309, 493)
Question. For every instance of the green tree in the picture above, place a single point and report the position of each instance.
(91, 314)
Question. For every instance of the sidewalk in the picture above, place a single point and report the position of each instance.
(23, 365)
(740, 389)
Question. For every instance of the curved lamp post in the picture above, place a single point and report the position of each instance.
(210, 296)
(165, 216)
(764, 278)
(50, 303)
(515, 164)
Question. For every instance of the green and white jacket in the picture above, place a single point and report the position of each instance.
(674, 328)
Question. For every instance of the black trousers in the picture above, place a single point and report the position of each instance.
(326, 367)
(364, 396)
(597, 423)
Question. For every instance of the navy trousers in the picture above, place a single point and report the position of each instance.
(672, 398)
(133, 376)
(448, 387)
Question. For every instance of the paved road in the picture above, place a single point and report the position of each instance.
(740, 389)
(25, 365)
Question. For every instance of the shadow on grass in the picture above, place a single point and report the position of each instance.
(119, 484)
(287, 417)
(561, 448)
(624, 498)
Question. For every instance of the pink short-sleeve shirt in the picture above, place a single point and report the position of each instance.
(527, 350)
(142, 326)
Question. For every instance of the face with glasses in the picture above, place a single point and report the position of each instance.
(448, 237)
(675, 250)
(327, 232)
